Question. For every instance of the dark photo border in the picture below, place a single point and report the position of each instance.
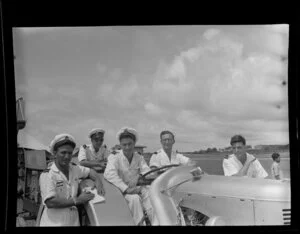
(45, 14)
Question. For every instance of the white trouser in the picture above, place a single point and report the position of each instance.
(136, 204)
(60, 217)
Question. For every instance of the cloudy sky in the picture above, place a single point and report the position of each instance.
(204, 83)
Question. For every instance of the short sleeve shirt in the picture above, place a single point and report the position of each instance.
(160, 158)
(232, 165)
(89, 153)
(55, 184)
(275, 170)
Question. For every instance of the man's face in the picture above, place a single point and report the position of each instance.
(127, 145)
(64, 155)
(277, 159)
(167, 141)
(97, 140)
(238, 149)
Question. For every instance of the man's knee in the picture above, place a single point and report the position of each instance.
(133, 198)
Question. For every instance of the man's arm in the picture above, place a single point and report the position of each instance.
(60, 202)
(50, 198)
(111, 174)
(98, 182)
(83, 160)
(230, 170)
(186, 160)
(245, 168)
(261, 172)
(92, 163)
(154, 161)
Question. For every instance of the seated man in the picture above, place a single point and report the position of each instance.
(166, 156)
(240, 163)
(123, 170)
(94, 155)
(59, 185)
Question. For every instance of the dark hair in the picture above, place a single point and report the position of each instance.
(275, 155)
(166, 132)
(64, 142)
(127, 134)
(237, 138)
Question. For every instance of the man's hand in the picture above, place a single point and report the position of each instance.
(100, 187)
(102, 164)
(84, 197)
(133, 190)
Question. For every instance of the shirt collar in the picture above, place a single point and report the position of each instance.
(54, 168)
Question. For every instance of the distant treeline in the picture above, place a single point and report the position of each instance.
(256, 150)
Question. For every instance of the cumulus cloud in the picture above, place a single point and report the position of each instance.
(153, 109)
(211, 33)
(217, 78)
(220, 83)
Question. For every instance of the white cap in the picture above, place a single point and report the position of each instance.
(127, 129)
(96, 130)
(59, 138)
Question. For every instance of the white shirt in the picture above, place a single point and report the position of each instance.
(55, 184)
(122, 174)
(275, 170)
(90, 154)
(232, 165)
(160, 158)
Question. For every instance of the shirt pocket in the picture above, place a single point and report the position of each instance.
(74, 187)
(61, 188)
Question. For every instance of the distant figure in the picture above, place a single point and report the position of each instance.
(94, 155)
(240, 163)
(275, 168)
(166, 155)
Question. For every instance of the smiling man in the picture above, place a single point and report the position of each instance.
(59, 185)
(166, 155)
(240, 163)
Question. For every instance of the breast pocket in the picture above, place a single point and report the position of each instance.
(61, 188)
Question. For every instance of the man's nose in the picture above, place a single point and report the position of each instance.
(68, 155)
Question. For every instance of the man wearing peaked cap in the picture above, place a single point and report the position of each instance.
(59, 186)
(61, 139)
(127, 131)
(94, 155)
(123, 170)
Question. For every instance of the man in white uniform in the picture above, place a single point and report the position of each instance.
(240, 163)
(94, 155)
(59, 185)
(166, 155)
(123, 170)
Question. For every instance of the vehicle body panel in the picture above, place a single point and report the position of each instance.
(238, 200)
(114, 211)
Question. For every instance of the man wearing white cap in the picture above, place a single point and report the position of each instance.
(166, 155)
(123, 170)
(94, 155)
(59, 186)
